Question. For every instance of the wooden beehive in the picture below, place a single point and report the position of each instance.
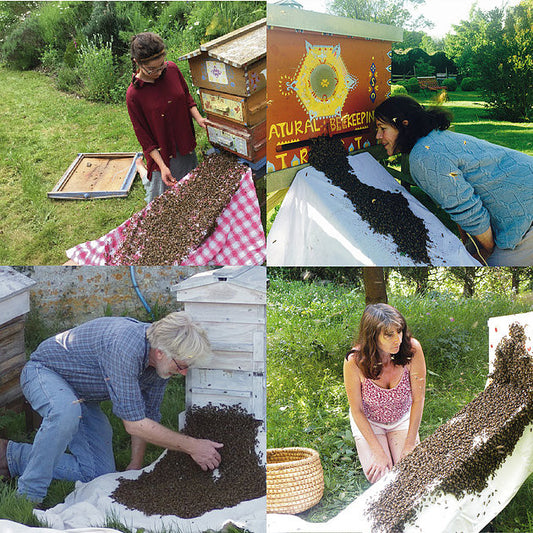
(230, 304)
(231, 74)
(326, 76)
(246, 142)
(14, 304)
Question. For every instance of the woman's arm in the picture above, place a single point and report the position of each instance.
(352, 382)
(418, 390)
(202, 121)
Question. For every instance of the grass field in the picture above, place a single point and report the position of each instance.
(310, 329)
(41, 132)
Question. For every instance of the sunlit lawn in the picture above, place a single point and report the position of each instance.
(41, 132)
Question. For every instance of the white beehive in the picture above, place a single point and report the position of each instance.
(230, 305)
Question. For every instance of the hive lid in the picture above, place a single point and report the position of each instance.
(251, 281)
(13, 283)
(239, 48)
(298, 19)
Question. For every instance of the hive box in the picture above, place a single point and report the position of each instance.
(245, 111)
(246, 142)
(234, 63)
(326, 76)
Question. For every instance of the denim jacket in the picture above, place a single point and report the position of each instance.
(479, 184)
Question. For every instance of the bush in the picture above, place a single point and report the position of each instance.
(97, 70)
(68, 79)
(398, 89)
(412, 85)
(50, 60)
(450, 84)
(469, 84)
(21, 48)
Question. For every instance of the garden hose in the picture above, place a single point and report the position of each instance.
(139, 294)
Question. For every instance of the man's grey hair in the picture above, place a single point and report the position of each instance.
(179, 337)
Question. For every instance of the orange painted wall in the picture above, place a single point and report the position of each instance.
(289, 61)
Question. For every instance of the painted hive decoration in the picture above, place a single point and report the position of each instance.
(463, 454)
(177, 222)
(177, 486)
(386, 212)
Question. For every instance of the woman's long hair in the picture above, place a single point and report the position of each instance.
(377, 318)
(420, 121)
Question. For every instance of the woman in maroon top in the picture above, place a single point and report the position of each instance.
(161, 110)
(385, 378)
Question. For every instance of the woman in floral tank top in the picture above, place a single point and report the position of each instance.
(385, 380)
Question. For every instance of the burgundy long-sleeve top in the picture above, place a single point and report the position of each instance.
(161, 117)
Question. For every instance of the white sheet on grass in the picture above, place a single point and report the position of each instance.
(6, 526)
(445, 513)
(318, 226)
(90, 504)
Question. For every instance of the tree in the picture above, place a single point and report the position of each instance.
(375, 286)
(501, 54)
(394, 12)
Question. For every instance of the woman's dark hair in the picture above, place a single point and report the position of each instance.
(146, 46)
(375, 319)
(420, 121)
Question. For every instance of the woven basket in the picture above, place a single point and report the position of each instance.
(295, 481)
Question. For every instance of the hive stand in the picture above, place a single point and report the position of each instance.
(14, 304)
(230, 305)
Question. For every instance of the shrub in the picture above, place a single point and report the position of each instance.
(397, 89)
(50, 59)
(412, 85)
(469, 84)
(21, 48)
(97, 70)
(450, 84)
(68, 79)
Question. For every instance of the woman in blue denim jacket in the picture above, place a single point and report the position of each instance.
(487, 189)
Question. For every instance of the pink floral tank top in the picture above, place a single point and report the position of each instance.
(387, 406)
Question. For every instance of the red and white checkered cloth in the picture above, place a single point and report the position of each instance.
(238, 238)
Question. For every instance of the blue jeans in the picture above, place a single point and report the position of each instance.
(68, 422)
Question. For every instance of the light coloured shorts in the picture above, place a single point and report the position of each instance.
(381, 429)
(521, 255)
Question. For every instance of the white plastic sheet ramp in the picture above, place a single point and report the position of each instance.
(446, 513)
(90, 504)
(318, 226)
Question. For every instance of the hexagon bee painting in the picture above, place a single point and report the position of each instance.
(323, 82)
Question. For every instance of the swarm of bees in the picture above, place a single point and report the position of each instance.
(386, 212)
(461, 455)
(177, 222)
(177, 485)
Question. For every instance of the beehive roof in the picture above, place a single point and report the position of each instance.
(227, 285)
(238, 48)
(13, 283)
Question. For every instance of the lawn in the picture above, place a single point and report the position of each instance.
(41, 132)
(310, 328)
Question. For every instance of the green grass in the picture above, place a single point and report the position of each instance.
(311, 327)
(41, 132)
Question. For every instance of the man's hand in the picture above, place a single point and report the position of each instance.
(204, 453)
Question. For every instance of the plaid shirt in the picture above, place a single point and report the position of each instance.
(107, 359)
